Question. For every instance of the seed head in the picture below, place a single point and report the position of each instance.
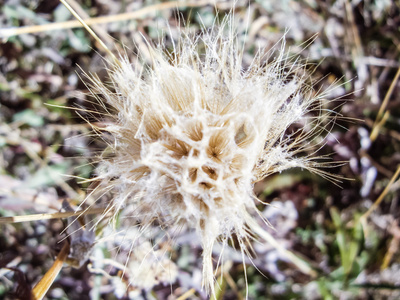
(193, 132)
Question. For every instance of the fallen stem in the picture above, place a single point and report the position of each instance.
(57, 215)
(91, 32)
(382, 195)
(41, 288)
(13, 31)
(187, 294)
(380, 118)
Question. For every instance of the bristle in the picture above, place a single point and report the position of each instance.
(192, 135)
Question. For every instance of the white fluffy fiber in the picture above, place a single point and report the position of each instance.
(193, 132)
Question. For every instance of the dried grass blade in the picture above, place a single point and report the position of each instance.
(380, 118)
(41, 288)
(187, 294)
(91, 32)
(13, 31)
(57, 215)
(382, 195)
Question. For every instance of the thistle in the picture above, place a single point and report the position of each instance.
(192, 133)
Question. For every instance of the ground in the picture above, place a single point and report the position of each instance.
(350, 245)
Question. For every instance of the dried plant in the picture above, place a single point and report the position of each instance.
(193, 132)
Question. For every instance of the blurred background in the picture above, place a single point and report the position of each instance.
(351, 244)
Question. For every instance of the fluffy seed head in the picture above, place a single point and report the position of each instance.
(193, 132)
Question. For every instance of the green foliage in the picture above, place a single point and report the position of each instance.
(29, 117)
(49, 175)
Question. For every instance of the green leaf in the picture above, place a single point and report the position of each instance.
(28, 116)
(325, 289)
(48, 176)
(348, 242)
(280, 182)
(10, 11)
(61, 14)
(3, 141)
(57, 108)
(79, 41)
(20, 12)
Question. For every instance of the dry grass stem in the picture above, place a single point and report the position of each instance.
(381, 196)
(91, 32)
(41, 288)
(382, 116)
(5, 33)
(187, 294)
(57, 215)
